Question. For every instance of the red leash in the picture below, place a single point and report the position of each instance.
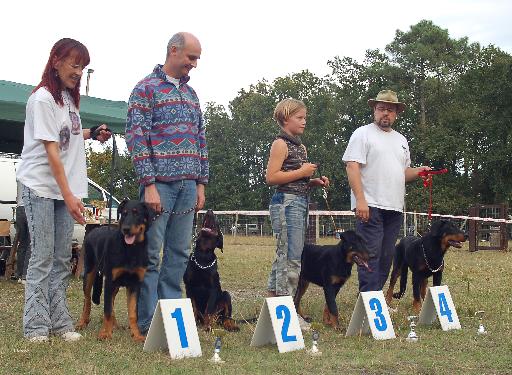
(427, 182)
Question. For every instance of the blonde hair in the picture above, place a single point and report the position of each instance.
(287, 108)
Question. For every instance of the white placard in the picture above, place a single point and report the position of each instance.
(173, 326)
(278, 323)
(438, 303)
(371, 314)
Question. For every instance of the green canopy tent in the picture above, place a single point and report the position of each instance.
(13, 100)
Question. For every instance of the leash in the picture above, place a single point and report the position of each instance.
(324, 195)
(428, 182)
(187, 211)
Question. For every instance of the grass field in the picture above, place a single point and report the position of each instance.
(477, 281)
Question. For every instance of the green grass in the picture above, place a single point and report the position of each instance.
(477, 281)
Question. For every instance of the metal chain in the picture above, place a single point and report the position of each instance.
(174, 212)
(426, 261)
(193, 259)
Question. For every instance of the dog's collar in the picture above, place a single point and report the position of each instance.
(426, 261)
(193, 259)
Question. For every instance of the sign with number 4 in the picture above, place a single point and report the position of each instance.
(174, 327)
(278, 323)
(438, 302)
(371, 314)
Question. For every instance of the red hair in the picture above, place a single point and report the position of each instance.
(61, 50)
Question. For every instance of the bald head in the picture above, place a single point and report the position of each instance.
(183, 52)
(180, 40)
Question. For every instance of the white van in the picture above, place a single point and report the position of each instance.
(8, 195)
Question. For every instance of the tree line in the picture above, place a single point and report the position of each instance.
(459, 111)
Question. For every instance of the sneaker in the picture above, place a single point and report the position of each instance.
(38, 339)
(304, 326)
(23, 281)
(20, 280)
(71, 336)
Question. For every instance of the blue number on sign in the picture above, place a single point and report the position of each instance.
(380, 321)
(282, 312)
(444, 310)
(181, 327)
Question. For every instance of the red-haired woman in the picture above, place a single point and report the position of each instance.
(54, 177)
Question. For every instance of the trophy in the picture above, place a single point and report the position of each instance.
(217, 344)
(481, 329)
(412, 336)
(315, 335)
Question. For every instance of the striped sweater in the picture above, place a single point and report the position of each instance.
(165, 132)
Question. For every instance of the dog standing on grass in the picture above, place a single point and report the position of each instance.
(425, 257)
(202, 281)
(120, 256)
(330, 266)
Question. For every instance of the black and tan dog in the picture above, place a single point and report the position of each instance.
(202, 282)
(330, 266)
(120, 256)
(425, 257)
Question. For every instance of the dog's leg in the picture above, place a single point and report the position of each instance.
(86, 312)
(437, 278)
(225, 310)
(417, 280)
(106, 330)
(210, 309)
(392, 281)
(330, 292)
(301, 289)
(423, 289)
(131, 299)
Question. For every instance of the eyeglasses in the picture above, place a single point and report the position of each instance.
(383, 109)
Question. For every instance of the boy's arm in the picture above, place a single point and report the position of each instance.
(275, 176)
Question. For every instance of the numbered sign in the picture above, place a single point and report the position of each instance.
(371, 314)
(438, 303)
(278, 323)
(173, 326)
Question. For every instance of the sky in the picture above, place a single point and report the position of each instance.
(242, 42)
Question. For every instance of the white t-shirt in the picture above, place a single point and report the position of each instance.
(175, 81)
(384, 157)
(45, 120)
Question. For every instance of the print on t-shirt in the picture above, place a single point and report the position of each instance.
(75, 123)
(64, 136)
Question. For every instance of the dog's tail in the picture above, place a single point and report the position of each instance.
(97, 288)
(403, 282)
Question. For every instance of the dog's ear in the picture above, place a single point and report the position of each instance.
(120, 208)
(437, 228)
(149, 214)
(220, 241)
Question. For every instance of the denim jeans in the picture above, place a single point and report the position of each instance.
(380, 234)
(23, 253)
(288, 213)
(173, 231)
(51, 228)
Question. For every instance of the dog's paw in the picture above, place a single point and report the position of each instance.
(230, 325)
(307, 318)
(104, 335)
(82, 324)
(139, 338)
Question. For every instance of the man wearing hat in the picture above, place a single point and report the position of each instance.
(378, 166)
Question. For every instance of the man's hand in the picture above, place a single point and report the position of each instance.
(152, 198)
(362, 210)
(200, 197)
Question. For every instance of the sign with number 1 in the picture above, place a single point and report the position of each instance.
(278, 323)
(371, 314)
(174, 327)
(438, 302)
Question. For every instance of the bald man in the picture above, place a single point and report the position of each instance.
(166, 138)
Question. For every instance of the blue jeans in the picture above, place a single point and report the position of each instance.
(51, 228)
(174, 232)
(288, 213)
(380, 234)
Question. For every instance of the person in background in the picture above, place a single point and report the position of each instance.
(53, 175)
(23, 237)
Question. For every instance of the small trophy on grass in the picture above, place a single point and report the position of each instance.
(315, 335)
(217, 344)
(481, 329)
(412, 336)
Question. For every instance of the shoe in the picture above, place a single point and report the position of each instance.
(304, 326)
(71, 336)
(20, 281)
(23, 281)
(38, 339)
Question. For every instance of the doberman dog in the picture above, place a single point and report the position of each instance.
(120, 256)
(425, 257)
(202, 282)
(330, 266)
